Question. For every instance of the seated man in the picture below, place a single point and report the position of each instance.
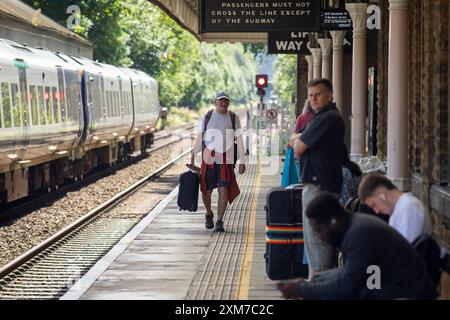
(367, 244)
(406, 213)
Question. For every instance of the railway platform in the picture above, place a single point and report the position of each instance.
(170, 255)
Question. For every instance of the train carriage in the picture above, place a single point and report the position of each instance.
(61, 116)
(41, 115)
(146, 106)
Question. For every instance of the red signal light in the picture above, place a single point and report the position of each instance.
(262, 80)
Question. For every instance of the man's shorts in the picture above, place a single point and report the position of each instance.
(213, 178)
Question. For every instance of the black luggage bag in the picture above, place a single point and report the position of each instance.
(284, 234)
(188, 191)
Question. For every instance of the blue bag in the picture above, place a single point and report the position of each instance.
(290, 169)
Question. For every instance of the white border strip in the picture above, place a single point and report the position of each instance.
(100, 267)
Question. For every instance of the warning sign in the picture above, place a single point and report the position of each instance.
(271, 114)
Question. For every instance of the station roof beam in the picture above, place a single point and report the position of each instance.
(185, 13)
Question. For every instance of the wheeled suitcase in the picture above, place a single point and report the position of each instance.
(284, 234)
(188, 191)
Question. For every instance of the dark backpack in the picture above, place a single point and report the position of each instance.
(429, 249)
(233, 124)
(354, 205)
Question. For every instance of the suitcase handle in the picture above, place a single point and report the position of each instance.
(294, 186)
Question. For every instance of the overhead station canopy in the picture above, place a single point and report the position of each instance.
(185, 12)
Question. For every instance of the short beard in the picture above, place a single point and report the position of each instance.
(222, 110)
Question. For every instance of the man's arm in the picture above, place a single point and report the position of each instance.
(240, 149)
(300, 147)
(347, 281)
(197, 147)
(240, 145)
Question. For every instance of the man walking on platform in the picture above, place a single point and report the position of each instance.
(320, 146)
(220, 129)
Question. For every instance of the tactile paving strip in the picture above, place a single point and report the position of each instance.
(219, 273)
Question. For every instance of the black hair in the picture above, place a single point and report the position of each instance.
(325, 82)
(349, 164)
(324, 207)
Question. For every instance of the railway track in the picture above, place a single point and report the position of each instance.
(49, 269)
(29, 204)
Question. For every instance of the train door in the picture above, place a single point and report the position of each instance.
(90, 102)
(23, 109)
(61, 97)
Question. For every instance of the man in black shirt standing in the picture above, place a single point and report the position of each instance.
(378, 262)
(321, 147)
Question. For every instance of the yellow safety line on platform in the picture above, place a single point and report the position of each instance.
(244, 281)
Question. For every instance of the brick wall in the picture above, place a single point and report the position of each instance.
(428, 105)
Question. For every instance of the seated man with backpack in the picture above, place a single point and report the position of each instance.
(379, 262)
(408, 216)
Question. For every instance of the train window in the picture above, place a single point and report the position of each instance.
(41, 106)
(6, 104)
(61, 95)
(56, 110)
(24, 102)
(120, 102)
(111, 101)
(49, 104)
(130, 103)
(72, 101)
(108, 103)
(113, 104)
(34, 107)
(113, 109)
(16, 112)
(90, 97)
(127, 102)
(102, 96)
(96, 97)
(116, 96)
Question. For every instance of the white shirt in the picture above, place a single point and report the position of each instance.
(219, 136)
(410, 218)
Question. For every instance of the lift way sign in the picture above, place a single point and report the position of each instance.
(289, 42)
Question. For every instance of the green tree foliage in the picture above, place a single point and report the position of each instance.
(135, 33)
(285, 78)
(100, 22)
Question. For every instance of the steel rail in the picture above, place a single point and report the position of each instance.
(114, 201)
